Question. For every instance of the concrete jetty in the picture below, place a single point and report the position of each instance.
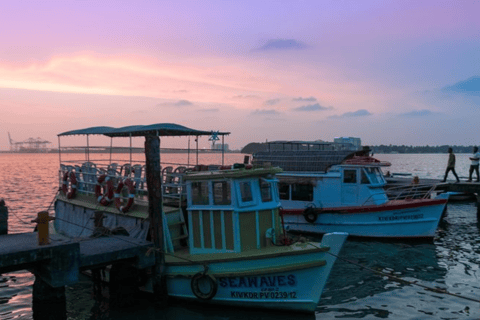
(60, 262)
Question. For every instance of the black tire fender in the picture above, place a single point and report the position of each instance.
(204, 286)
(310, 215)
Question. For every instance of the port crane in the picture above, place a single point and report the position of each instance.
(29, 145)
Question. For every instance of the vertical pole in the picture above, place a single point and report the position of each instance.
(196, 140)
(154, 183)
(59, 151)
(223, 149)
(111, 147)
(3, 217)
(188, 157)
(131, 149)
(88, 150)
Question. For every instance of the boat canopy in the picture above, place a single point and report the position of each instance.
(159, 129)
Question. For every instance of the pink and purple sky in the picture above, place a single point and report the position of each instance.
(389, 72)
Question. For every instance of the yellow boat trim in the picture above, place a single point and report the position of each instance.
(254, 272)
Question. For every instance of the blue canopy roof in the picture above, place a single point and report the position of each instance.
(159, 129)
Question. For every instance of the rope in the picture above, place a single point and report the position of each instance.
(413, 283)
(48, 208)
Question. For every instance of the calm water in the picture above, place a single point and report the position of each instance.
(29, 182)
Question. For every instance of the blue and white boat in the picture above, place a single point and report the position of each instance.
(223, 237)
(345, 192)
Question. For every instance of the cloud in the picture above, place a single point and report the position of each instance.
(310, 99)
(470, 86)
(262, 112)
(271, 102)
(282, 44)
(179, 103)
(312, 107)
(354, 114)
(209, 110)
(248, 96)
(417, 113)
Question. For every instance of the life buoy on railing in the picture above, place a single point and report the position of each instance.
(106, 197)
(310, 215)
(204, 286)
(131, 195)
(69, 191)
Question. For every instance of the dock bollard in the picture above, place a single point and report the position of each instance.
(3, 217)
(42, 227)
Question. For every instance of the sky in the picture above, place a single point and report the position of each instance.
(388, 72)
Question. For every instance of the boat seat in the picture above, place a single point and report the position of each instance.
(126, 170)
(89, 175)
(137, 171)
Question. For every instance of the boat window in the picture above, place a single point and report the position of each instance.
(221, 193)
(265, 190)
(349, 176)
(200, 193)
(364, 178)
(302, 192)
(372, 174)
(284, 190)
(246, 191)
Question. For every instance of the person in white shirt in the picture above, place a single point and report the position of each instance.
(474, 166)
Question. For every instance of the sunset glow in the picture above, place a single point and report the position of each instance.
(386, 73)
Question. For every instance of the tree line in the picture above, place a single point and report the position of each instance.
(256, 147)
(420, 149)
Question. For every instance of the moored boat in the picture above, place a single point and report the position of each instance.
(223, 238)
(348, 195)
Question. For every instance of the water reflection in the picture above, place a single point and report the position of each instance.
(349, 282)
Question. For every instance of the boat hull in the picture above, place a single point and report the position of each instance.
(395, 219)
(283, 282)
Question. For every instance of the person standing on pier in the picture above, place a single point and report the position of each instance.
(474, 166)
(450, 165)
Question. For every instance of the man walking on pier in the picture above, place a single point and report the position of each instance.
(450, 165)
(474, 166)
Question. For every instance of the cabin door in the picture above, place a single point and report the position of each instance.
(350, 187)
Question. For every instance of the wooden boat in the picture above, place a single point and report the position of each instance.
(223, 238)
(345, 193)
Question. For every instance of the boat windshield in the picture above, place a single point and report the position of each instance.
(373, 174)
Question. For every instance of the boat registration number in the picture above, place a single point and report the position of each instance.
(264, 295)
(408, 217)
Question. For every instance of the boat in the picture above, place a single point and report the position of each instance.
(329, 191)
(223, 238)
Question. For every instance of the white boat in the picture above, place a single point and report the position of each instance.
(347, 194)
(222, 232)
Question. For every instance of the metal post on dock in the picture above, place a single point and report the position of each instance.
(154, 183)
(3, 217)
(42, 227)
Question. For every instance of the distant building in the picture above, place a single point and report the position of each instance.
(218, 146)
(356, 143)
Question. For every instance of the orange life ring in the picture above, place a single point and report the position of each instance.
(106, 197)
(131, 195)
(69, 191)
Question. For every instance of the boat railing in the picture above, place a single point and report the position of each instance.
(88, 173)
(415, 191)
(376, 199)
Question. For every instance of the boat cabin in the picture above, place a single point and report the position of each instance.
(342, 185)
(232, 210)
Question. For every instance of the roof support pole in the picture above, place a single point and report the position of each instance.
(154, 183)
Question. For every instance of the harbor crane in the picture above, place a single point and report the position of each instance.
(29, 145)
